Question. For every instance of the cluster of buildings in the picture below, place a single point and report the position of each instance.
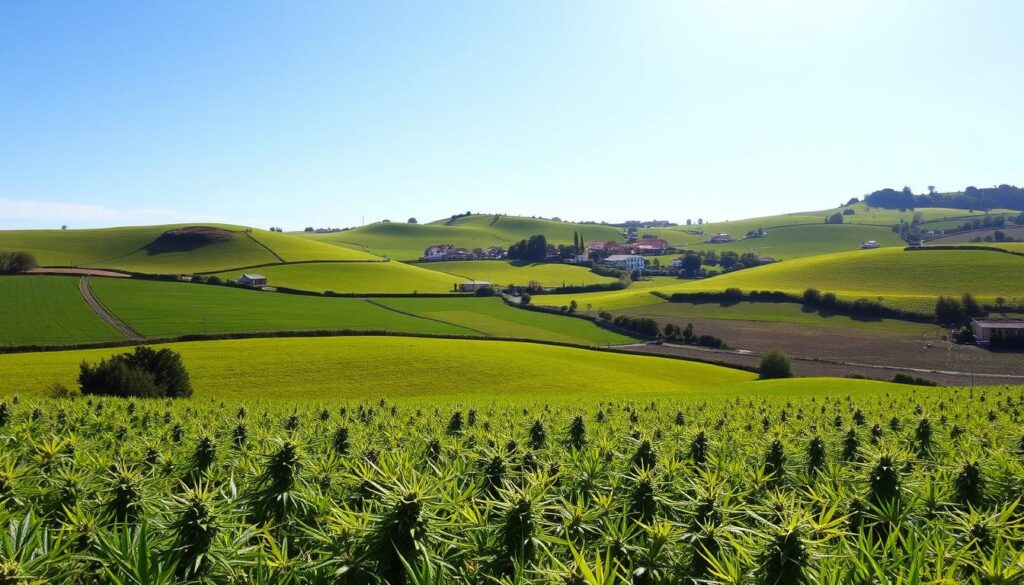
(647, 245)
(442, 252)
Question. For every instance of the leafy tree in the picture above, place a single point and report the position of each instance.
(835, 218)
(812, 296)
(691, 264)
(971, 307)
(15, 262)
(775, 364)
(948, 311)
(145, 373)
(411, 220)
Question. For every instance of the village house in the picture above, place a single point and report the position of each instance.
(1000, 330)
(628, 262)
(869, 244)
(253, 280)
(721, 239)
(438, 252)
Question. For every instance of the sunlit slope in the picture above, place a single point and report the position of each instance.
(355, 277)
(146, 249)
(804, 240)
(505, 273)
(404, 241)
(392, 367)
(909, 279)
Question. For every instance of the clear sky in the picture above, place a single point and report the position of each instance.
(324, 113)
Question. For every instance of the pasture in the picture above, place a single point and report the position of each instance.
(493, 318)
(503, 273)
(786, 243)
(48, 310)
(168, 309)
(355, 277)
(357, 368)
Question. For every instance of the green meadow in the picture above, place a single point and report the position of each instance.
(167, 309)
(493, 318)
(48, 310)
(786, 243)
(355, 277)
(506, 273)
(394, 367)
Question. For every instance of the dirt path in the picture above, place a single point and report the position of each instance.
(104, 313)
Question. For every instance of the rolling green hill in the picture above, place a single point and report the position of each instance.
(48, 310)
(391, 367)
(146, 248)
(908, 279)
(505, 273)
(403, 241)
(355, 277)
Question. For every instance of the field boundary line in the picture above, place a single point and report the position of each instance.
(408, 314)
(104, 313)
(264, 246)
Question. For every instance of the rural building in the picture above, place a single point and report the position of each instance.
(438, 252)
(253, 280)
(869, 244)
(473, 285)
(721, 239)
(626, 261)
(1007, 330)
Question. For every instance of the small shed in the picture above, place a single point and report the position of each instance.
(253, 280)
(474, 285)
(1000, 331)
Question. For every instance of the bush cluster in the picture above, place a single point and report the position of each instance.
(16, 262)
(144, 373)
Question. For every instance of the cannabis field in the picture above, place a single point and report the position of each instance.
(914, 486)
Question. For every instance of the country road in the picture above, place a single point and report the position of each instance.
(104, 313)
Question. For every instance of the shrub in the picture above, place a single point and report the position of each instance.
(525, 299)
(214, 280)
(145, 373)
(484, 291)
(15, 262)
(775, 364)
(605, 316)
(812, 296)
(914, 380)
(733, 293)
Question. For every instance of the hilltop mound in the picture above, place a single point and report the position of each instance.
(188, 238)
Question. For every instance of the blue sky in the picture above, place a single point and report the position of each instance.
(326, 113)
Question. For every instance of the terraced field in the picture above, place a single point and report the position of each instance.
(355, 277)
(168, 309)
(392, 367)
(787, 243)
(505, 273)
(491, 317)
(48, 310)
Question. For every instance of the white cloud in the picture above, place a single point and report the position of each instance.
(29, 211)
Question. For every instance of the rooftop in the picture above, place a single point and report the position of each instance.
(1001, 323)
(618, 257)
(254, 276)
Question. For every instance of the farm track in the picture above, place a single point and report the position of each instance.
(408, 314)
(104, 313)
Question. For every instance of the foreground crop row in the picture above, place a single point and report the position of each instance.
(923, 486)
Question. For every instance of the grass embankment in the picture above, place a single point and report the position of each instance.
(48, 310)
(505, 273)
(392, 367)
(355, 277)
(909, 280)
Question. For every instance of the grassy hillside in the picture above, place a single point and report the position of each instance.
(505, 273)
(492, 317)
(142, 249)
(166, 309)
(355, 277)
(48, 310)
(403, 241)
(322, 368)
(786, 243)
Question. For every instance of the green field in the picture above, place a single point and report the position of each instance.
(505, 273)
(167, 309)
(355, 277)
(403, 241)
(492, 317)
(48, 310)
(392, 367)
(907, 279)
(773, 313)
(136, 249)
(786, 243)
